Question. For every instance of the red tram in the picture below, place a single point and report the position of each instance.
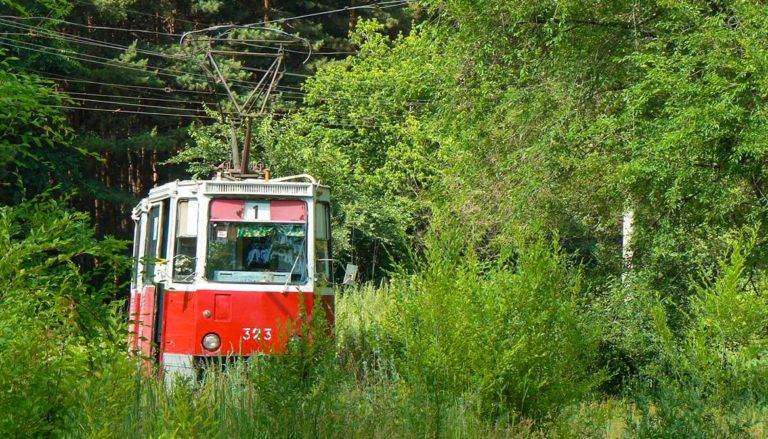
(223, 266)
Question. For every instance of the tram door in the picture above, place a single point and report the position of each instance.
(152, 256)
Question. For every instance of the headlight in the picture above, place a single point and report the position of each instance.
(211, 341)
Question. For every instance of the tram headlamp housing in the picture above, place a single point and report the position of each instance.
(211, 341)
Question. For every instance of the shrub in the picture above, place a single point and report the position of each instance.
(709, 372)
(728, 339)
(514, 332)
(51, 317)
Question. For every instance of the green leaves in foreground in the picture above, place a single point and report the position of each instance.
(54, 326)
(723, 351)
(515, 335)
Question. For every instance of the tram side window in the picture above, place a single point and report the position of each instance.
(323, 243)
(150, 244)
(186, 241)
(135, 270)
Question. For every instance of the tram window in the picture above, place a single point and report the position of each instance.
(322, 243)
(250, 252)
(150, 244)
(135, 270)
(186, 241)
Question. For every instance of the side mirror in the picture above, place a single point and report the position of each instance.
(350, 274)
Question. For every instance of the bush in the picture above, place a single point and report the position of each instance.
(514, 332)
(728, 339)
(52, 319)
(709, 376)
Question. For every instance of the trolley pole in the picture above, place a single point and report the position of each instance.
(246, 147)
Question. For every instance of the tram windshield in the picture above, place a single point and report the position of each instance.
(243, 252)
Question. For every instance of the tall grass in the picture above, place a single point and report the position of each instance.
(267, 397)
(460, 347)
(456, 349)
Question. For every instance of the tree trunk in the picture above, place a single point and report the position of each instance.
(627, 232)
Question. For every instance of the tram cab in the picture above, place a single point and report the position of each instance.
(225, 267)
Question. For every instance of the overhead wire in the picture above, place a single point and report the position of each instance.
(109, 84)
(350, 125)
(90, 26)
(172, 73)
(101, 101)
(235, 52)
(73, 38)
(293, 96)
(85, 40)
(94, 42)
(250, 44)
(81, 40)
(95, 59)
(295, 91)
(290, 90)
(376, 5)
(119, 111)
(260, 25)
(153, 91)
(162, 99)
(103, 44)
(88, 41)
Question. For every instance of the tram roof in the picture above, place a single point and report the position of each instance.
(277, 187)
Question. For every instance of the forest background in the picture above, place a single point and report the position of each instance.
(482, 155)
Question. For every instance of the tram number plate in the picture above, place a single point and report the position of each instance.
(257, 334)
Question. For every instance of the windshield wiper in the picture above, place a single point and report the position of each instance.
(295, 261)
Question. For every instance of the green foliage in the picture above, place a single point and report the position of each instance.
(138, 90)
(513, 333)
(727, 339)
(461, 348)
(511, 338)
(211, 146)
(33, 135)
(695, 115)
(31, 8)
(700, 370)
(359, 132)
(498, 118)
(53, 321)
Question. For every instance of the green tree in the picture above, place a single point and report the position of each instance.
(35, 140)
(357, 130)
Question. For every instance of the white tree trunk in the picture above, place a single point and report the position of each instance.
(627, 230)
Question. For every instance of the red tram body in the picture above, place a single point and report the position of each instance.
(225, 267)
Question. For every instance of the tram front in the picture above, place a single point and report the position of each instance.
(227, 267)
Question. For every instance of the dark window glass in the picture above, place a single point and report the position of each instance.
(323, 261)
(136, 240)
(245, 252)
(154, 229)
(185, 257)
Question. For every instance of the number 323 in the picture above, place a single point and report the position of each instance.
(256, 334)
